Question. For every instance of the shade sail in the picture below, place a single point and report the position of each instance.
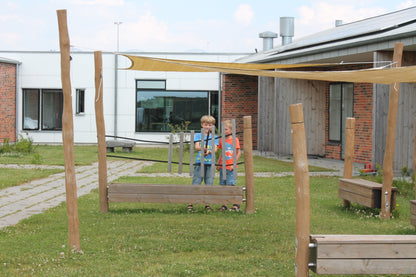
(373, 75)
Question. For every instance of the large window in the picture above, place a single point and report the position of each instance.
(42, 109)
(341, 97)
(157, 108)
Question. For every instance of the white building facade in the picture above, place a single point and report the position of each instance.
(137, 104)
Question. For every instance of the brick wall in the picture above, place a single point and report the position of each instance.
(240, 98)
(363, 114)
(8, 102)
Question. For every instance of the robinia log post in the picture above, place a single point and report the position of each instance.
(349, 151)
(248, 163)
(99, 121)
(391, 138)
(301, 170)
(68, 134)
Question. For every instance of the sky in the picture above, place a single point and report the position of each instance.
(173, 25)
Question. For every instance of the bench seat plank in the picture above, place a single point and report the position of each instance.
(156, 193)
(360, 266)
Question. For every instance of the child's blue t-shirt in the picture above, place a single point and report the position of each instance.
(208, 158)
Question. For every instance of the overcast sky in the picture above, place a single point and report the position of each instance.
(173, 25)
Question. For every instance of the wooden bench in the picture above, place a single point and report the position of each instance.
(413, 212)
(196, 194)
(363, 254)
(126, 145)
(364, 192)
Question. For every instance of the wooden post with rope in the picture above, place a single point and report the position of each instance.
(99, 120)
(68, 134)
(248, 163)
(301, 170)
(349, 152)
(390, 139)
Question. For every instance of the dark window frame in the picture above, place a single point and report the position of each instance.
(79, 101)
(41, 110)
(340, 110)
(165, 129)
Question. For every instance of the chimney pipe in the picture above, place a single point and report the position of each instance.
(287, 29)
(267, 39)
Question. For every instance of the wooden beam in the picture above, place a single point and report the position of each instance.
(349, 151)
(391, 137)
(68, 134)
(248, 163)
(99, 121)
(301, 170)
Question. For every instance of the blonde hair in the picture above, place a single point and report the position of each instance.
(228, 123)
(207, 119)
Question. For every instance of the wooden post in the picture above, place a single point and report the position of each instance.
(234, 149)
(414, 157)
(180, 165)
(170, 152)
(224, 160)
(68, 134)
(99, 122)
(349, 151)
(301, 170)
(248, 162)
(391, 137)
(191, 154)
(213, 155)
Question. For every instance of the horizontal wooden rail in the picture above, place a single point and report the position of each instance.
(363, 254)
(155, 193)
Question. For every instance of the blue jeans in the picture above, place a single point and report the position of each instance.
(197, 179)
(230, 180)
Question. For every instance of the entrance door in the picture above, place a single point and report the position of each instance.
(341, 103)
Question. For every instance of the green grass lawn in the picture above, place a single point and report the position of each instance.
(139, 239)
(142, 239)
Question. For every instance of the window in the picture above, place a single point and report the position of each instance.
(157, 108)
(42, 108)
(80, 104)
(340, 107)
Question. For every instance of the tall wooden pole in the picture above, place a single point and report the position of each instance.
(414, 157)
(248, 163)
(301, 170)
(68, 134)
(391, 137)
(99, 121)
(349, 151)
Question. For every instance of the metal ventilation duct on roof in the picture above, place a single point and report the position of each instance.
(287, 29)
(267, 39)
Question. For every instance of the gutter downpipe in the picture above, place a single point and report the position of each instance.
(115, 94)
(17, 101)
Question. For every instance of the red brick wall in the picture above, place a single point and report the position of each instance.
(363, 114)
(240, 98)
(8, 102)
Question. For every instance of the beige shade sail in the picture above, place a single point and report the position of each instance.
(373, 75)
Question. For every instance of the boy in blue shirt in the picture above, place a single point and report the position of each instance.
(204, 153)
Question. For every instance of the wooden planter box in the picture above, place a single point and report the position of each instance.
(364, 192)
(363, 254)
(413, 212)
